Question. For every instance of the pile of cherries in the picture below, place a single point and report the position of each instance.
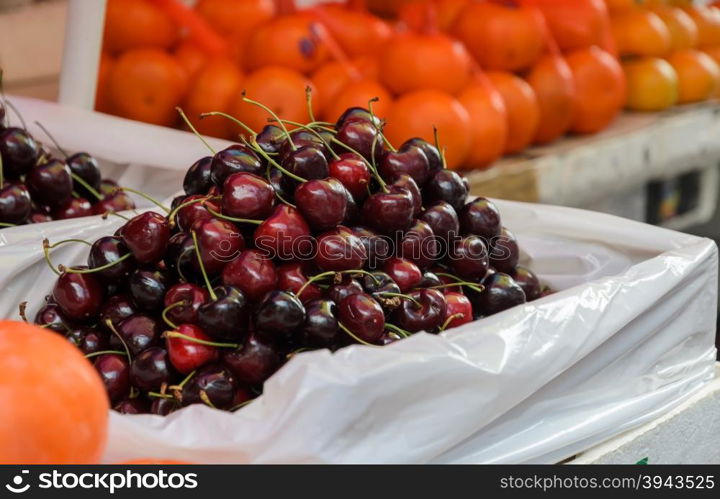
(35, 187)
(319, 237)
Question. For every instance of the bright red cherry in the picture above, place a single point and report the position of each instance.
(353, 173)
(405, 273)
(253, 273)
(146, 236)
(192, 296)
(293, 276)
(246, 195)
(187, 355)
(459, 308)
(285, 235)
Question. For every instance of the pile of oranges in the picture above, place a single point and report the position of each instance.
(491, 77)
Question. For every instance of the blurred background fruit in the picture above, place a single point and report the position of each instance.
(698, 75)
(652, 84)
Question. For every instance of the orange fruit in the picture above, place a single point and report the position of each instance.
(281, 89)
(357, 94)
(698, 75)
(103, 101)
(414, 61)
(652, 84)
(640, 32)
(357, 32)
(575, 24)
(553, 84)
(191, 57)
(488, 124)
(146, 85)
(600, 89)
(707, 20)
(501, 37)
(714, 52)
(332, 76)
(619, 5)
(523, 110)
(54, 405)
(213, 90)
(415, 14)
(132, 24)
(414, 115)
(682, 28)
(236, 16)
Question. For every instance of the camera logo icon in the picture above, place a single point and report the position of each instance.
(17, 487)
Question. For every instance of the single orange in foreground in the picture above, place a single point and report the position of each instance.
(523, 110)
(698, 75)
(53, 405)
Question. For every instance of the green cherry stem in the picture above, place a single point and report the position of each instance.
(383, 184)
(81, 181)
(400, 295)
(379, 129)
(105, 215)
(104, 352)
(202, 267)
(449, 320)
(175, 334)
(313, 279)
(62, 268)
(168, 309)
(309, 102)
(194, 130)
(253, 143)
(240, 406)
(316, 133)
(171, 216)
(271, 113)
(232, 219)
(110, 326)
(206, 400)
(3, 224)
(398, 330)
(145, 196)
(178, 388)
(350, 333)
(436, 136)
(160, 395)
(231, 118)
(277, 193)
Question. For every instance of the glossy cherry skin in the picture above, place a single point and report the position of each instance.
(118, 201)
(192, 296)
(427, 317)
(378, 286)
(253, 273)
(282, 187)
(278, 316)
(378, 247)
(446, 185)
(220, 242)
(409, 159)
(106, 251)
(347, 286)
(116, 309)
(150, 369)
(340, 249)
(254, 362)
(163, 406)
(114, 372)
(216, 382)
(139, 332)
(307, 162)
(39, 218)
(148, 287)
(469, 258)
(246, 195)
(528, 281)
(285, 235)
(482, 218)
(505, 252)
(180, 256)
(19, 151)
(196, 212)
(357, 114)
(51, 317)
(292, 277)
(388, 212)
(79, 296)
(197, 179)
(88, 340)
(435, 162)
(133, 406)
(73, 208)
(429, 280)
(271, 138)
(363, 316)
(501, 293)
(186, 355)
(353, 173)
(234, 159)
(405, 273)
(352, 212)
(459, 308)
(146, 236)
(389, 337)
(86, 167)
(406, 183)
(50, 184)
(301, 138)
(443, 220)
(323, 203)
(419, 245)
(15, 203)
(321, 326)
(359, 136)
(227, 317)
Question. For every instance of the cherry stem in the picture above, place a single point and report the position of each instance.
(231, 118)
(274, 163)
(202, 267)
(160, 395)
(308, 101)
(398, 330)
(21, 311)
(329, 273)
(77, 178)
(17, 113)
(110, 326)
(232, 219)
(316, 133)
(240, 406)
(400, 295)
(436, 135)
(375, 173)
(143, 195)
(379, 129)
(175, 334)
(3, 224)
(173, 214)
(52, 139)
(277, 193)
(62, 268)
(168, 309)
(274, 115)
(295, 352)
(194, 130)
(206, 400)
(350, 333)
(458, 282)
(450, 319)
(104, 352)
(183, 382)
(105, 215)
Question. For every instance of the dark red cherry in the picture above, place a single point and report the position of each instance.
(321, 326)
(148, 288)
(469, 258)
(389, 212)
(352, 212)
(446, 185)
(347, 286)
(360, 136)
(86, 167)
(406, 183)
(528, 281)
(107, 251)
(133, 406)
(271, 138)
(428, 316)
(195, 213)
(430, 280)
(164, 406)
(118, 201)
(139, 332)
(88, 340)
(15, 203)
(150, 369)
(242, 395)
(254, 362)
(292, 277)
(19, 151)
(278, 316)
(116, 309)
(253, 273)
(146, 236)
(389, 337)
(482, 218)
(220, 242)
(50, 184)
(353, 173)
(435, 162)
(79, 296)
(51, 317)
(234, 159)
(246, 195)
(340, 249)
(501, 292)
(280, 185)
(285, 235)
(323, 203)
(73, 208)
(187, 355)
(363, 316)
(459, 308)
(197, 179)
(505, 252)
(180, 256)
(114, 372)
(381, 287)
(409, 159)
(378, 247)
(225, 318)
(215, 383)
(419, 245)
(405, 273)
(192, 297)
(443, 220)
(307, 162)
(357, 114)
(39, 218)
